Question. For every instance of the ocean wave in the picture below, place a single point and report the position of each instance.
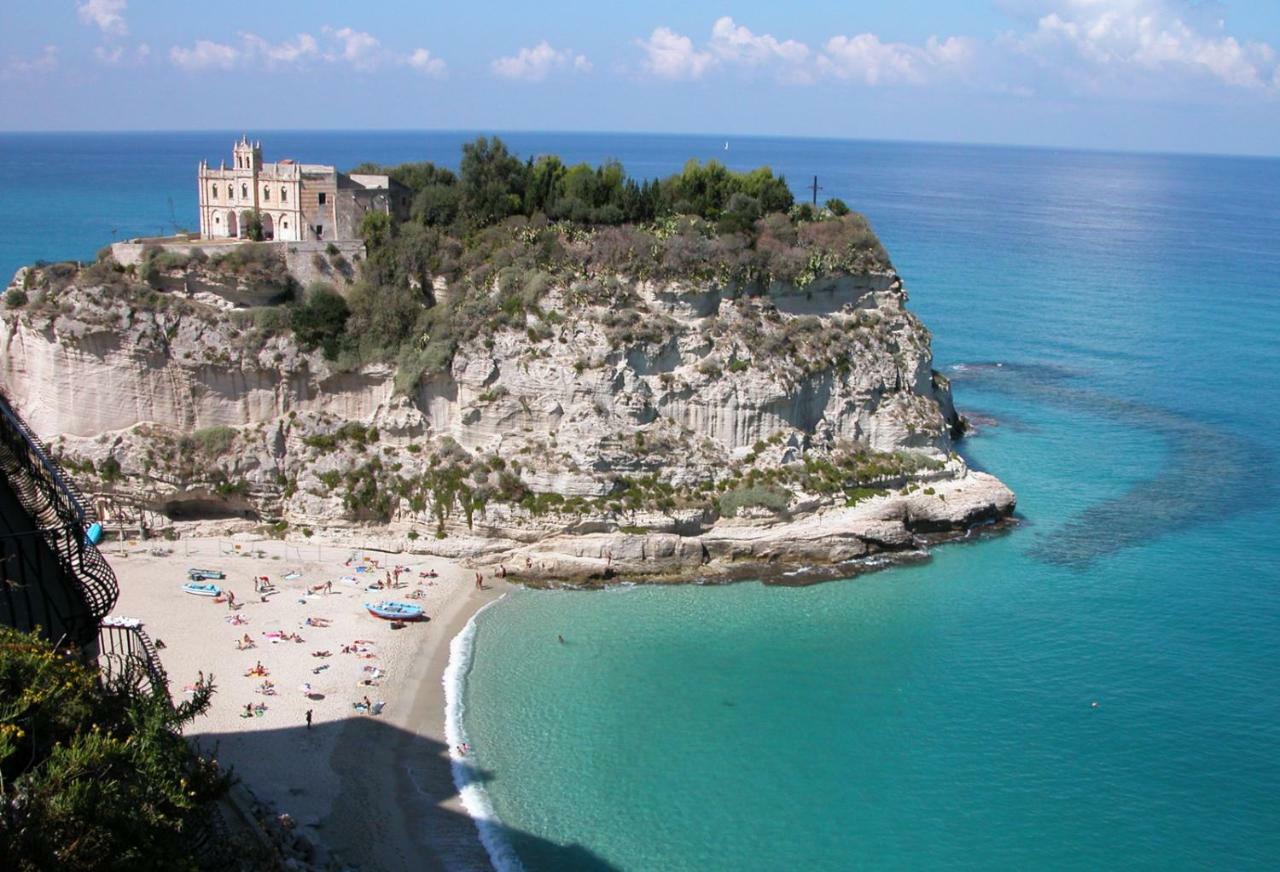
(475, 799)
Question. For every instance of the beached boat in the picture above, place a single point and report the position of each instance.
(202, 588)
(205, 574)
(389, 610)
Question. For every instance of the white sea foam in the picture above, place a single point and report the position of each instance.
(474, 797)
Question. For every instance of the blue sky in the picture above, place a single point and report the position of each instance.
(1165, 75)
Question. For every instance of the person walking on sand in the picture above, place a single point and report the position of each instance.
(479, 581)
(308, 719)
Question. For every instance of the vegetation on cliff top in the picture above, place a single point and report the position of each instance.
(483, 247)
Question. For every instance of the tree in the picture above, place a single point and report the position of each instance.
(837, 207)
(493, 182)
(252, 226)
(321, 320)
(95, 775)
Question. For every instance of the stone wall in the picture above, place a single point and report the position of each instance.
(307, 262)
(303, 260)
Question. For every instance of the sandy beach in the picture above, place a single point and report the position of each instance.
(376, 788)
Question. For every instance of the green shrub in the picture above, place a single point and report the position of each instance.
(321, 320)
(770, 497)
(94, 774)
(16, 298)
(215, 441)
(109, 470)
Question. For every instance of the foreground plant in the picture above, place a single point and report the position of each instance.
(95, 775)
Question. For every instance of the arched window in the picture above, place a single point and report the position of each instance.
(244, 191)
(215, 192)
(266, 193)
(284, 194)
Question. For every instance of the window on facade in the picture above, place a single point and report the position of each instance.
(266, 193)
(244, 191)
(322, 198)
(214, 189)
(284, 194)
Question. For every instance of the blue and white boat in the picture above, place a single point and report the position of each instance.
(202, 588)
(390, 610)
(205, 574)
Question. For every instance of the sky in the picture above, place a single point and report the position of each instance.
(1147, 75)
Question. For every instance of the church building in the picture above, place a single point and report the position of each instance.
(296, 202)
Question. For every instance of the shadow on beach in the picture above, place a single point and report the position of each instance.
(397, 807)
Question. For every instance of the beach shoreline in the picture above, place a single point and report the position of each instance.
(376, 790)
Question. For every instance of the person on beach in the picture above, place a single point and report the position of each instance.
(308, 719)
(479, 581)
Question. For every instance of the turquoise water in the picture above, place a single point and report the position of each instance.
(935, 715)
(940, 716)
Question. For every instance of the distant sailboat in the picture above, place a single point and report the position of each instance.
(726, 145)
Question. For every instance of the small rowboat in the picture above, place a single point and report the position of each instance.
(205, 574)
(201, 588)
(389, 610)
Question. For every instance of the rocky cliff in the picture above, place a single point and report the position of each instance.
(670, 428)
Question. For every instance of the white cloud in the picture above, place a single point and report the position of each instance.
(1101, 41)
(21, 68)
(867, 59)
(423, 61)
(109, 55)
(362, 51)
(1135, 47)
(108, 15)
(535, 64)
(733, 43)
(205, 55)
(670, 55)
(340, 46)
(302, 47)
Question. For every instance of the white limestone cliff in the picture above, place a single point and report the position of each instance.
(192, 411)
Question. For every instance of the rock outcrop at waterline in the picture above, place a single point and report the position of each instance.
(648, 428)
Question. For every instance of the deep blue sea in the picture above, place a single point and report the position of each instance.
(1114, 321)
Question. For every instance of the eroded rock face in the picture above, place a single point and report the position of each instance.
(686, 388)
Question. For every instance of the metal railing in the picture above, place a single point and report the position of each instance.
(62, 517)
(127, 654)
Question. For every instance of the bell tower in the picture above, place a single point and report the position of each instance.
(247, 155)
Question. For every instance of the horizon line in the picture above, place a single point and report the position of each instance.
(482, 131)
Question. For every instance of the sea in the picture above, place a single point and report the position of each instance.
(1098, 688)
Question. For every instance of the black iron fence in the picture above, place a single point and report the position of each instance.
(52, 575)
(127, 654)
